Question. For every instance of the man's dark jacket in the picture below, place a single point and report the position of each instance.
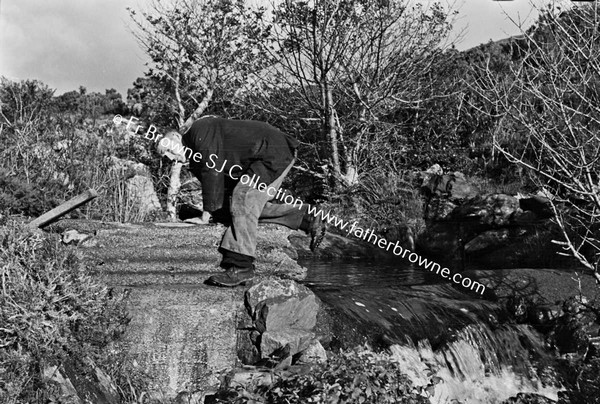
(257, 147)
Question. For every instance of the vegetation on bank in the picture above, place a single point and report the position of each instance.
(52, 312)
(355, 376)
(532, 101)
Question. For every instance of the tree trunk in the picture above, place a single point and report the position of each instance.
(332, 136)
(197, 112)
(173, 191)
(175, 176)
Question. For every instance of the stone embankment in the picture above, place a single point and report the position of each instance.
(185, 335)
(489, 228)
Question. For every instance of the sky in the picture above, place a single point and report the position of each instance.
(72, 43)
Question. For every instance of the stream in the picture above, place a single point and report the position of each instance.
(433, 328)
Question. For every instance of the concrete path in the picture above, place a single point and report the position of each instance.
(182, 332)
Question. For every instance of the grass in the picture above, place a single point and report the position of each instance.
(51, 311)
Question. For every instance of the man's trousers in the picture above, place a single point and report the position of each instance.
(249, 206)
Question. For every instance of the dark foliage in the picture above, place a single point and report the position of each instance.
(51, 309)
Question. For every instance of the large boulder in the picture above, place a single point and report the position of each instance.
(282, 304)
(139, 187)
(141, 193)
(284, 313)
(272, 289)
(453, 186)
(439, 209)
(539, 205)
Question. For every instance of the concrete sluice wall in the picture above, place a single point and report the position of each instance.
(182, 334)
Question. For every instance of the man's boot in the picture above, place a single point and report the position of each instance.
(233, 276)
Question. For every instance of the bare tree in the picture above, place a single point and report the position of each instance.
(354, 61)
(550, 102)
(200, 50)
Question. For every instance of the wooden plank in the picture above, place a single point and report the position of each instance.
(63, 209)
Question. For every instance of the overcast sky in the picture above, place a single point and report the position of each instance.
(68, 43)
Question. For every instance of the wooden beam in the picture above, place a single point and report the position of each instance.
(63, 209)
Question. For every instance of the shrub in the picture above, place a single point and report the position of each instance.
(357, 376)
(381, 203)
(575, 334)
(31, 199)
(51, 309)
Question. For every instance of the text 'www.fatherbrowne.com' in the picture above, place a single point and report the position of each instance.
(367, 235)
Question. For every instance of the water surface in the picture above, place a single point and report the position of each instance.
(437, 328)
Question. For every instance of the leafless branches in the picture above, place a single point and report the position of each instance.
(551, 100)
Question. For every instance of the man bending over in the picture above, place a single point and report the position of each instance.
(220, 152)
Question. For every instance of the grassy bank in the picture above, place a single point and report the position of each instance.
(52, 311)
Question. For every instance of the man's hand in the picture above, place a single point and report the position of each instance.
(205, 219)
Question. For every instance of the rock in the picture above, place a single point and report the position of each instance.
(284, 312)
(439, 238)
(543, 315)
(272, 288)
(425, 176)
(140, 190)
(55, 375)
(527, 217)
(519, 306)
(284, 266)
(247, 346)
(493, 239)
(141, 195)
(190, 194)
(297, 341)
(538, 205)
(435, 169)
(62, 178)
(314, 353)
(460, 188)
(439, 209)
(74, 237)
(493, 209)
(78, 386)
(453, 186)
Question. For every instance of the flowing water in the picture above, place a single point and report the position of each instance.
(435, 329)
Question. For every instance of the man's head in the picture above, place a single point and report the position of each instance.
(170, 146)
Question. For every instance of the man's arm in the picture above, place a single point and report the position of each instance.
(205, 138)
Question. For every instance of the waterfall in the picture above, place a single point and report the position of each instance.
(480, 365)
(436, 332)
